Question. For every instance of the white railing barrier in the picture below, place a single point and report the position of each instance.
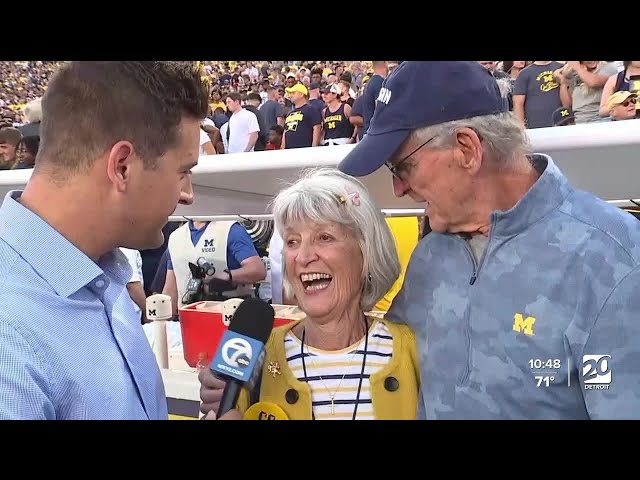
(600, 157)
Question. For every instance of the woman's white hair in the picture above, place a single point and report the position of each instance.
(322, 196)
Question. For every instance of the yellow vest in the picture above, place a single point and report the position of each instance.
(392, 400)
(406, 231)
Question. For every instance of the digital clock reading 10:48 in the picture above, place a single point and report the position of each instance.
(537, 363)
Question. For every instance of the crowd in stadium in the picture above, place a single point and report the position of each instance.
(277, 104)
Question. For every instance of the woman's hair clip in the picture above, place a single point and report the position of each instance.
(354, 197)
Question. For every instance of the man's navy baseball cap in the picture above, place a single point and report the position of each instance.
(421, 94)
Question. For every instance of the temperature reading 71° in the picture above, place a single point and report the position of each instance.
(544, 380)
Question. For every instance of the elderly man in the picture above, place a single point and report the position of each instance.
(524, 298)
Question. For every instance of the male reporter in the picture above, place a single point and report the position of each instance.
(118, 142)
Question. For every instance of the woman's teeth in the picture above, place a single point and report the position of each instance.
(315, 281)
(317, 286)
(309, 277)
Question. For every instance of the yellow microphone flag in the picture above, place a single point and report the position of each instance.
(265, 411)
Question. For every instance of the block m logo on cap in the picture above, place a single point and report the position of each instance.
(384, 96)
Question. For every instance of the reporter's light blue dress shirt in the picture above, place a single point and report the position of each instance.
(71, 344)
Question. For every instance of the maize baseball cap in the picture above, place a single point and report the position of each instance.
(421, 94)
(298, 87)
(618, 98)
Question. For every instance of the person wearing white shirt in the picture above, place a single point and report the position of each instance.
(135, 286)
(252, 72)
(242, 128)
(206, 147)
(223, 134)
(136, 291)
(264, 96)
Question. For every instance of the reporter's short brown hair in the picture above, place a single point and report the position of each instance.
(89, 106)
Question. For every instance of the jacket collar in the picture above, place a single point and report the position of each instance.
(546, 194)
(60, 263)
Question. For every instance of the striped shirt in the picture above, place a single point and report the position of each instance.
(339, 373)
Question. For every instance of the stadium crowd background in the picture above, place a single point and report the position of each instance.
(552, 93)
(22, 82)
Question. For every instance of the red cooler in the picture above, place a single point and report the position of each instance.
(203, 324)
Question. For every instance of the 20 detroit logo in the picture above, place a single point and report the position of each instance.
(237, 352)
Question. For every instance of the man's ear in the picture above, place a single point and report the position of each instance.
(119, 163)
(470, 146)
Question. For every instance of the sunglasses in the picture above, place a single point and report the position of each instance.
(629, 101)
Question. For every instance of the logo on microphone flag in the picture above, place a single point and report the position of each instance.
(237, 356)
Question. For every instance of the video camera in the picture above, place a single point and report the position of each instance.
(202, 287)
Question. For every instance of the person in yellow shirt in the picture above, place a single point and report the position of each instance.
(216, 101)
(406, 233)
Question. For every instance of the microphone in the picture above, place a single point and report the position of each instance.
(241, 349)
(265, 411)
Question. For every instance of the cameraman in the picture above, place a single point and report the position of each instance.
(226, 246)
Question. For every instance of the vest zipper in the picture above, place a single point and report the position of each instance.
(474, 273)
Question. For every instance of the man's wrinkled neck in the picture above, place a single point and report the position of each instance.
(498, 190)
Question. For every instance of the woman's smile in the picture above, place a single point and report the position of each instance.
(315, 282)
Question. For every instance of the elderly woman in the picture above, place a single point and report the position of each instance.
(339, 362)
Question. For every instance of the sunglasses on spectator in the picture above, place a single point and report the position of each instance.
(628, 101)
